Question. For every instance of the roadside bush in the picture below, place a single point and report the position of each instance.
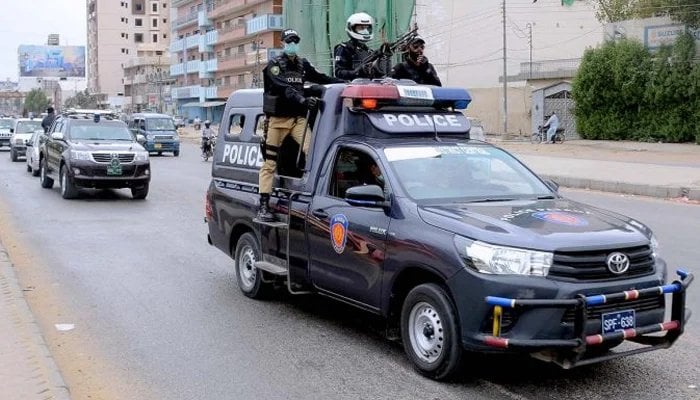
(623, 92)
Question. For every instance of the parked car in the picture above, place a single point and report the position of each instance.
(32, 153)
(22, 131)
(159, 132)
(6, 125)
(93, 152)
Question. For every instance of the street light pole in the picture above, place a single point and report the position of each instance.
(505, 76)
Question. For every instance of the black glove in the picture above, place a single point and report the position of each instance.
(385, 49)
(312, 103)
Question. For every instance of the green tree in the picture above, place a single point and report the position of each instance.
(36, 101)
(82, 100)
(685, 11)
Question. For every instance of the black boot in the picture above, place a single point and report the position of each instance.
(264, 213)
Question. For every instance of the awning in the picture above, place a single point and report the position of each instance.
(204, 104)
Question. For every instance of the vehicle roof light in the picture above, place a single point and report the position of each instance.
(379, 92)
(457, 98)
(369, 103)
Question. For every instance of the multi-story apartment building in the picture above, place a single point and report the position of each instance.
(219, 46)
(127, 43)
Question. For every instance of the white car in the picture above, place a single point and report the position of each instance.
(22, 131)
(32, 155)
(6, 125)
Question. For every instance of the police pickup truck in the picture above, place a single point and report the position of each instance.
(457, 244)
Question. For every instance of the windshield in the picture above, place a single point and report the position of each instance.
(29, 126)
(100, 132)
(6, 123)
(160, 124)
(462, 173)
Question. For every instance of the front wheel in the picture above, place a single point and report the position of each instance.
(13, 154)
(430, 331)
(46, 182)
(68, 189)
(249, 278)
(176, 153)
(536, 138)
(139, 193)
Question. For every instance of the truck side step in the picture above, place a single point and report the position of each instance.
(273, 224)
(270, 267)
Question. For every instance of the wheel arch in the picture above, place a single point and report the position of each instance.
(405, 280)
(236, 232)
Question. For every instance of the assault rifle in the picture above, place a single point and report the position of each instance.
(387, 50)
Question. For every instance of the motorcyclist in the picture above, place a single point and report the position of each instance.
(207, 136)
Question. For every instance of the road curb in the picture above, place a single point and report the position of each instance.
(659, 191)
(48, 382)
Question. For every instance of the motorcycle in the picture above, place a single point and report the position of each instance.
(541, 135)
(208, 145)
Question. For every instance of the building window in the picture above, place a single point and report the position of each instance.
(165, 5)
(154, 7)
(241, 79)
(165, 36)
(138, 6)
(165, 20)
(155, 38)
(138, 22)
(138, 37)
(154, 23)
(241, 49)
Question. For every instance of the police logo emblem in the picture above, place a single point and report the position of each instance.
(339, 232)
(275, 70)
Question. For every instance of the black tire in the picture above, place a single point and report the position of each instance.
(139, 193)
(13, 154)
(29, 168)
(46, 182)
(176, 153)
(559, 138)
(430, 332)
(68, 189)
(35, 172)
(536, 138)
(249, 278)
(160, 153)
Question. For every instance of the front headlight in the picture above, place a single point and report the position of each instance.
(492, 259)
(80, 155)
(149, 137)
(654, 246)
(141, 156)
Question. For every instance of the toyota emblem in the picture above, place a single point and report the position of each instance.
(114, 155)
(618, 263)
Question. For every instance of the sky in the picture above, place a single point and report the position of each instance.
(31, 21)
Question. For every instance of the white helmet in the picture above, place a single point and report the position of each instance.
(360, 19)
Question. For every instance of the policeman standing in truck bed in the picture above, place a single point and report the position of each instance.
(286, 107)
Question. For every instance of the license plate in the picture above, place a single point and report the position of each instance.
(157, 145)
(617, 321)
(114, 170)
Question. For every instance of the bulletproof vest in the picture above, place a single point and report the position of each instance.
(275, 102)
(358, 53)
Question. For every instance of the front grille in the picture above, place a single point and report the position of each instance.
(639, 305)
(106, 158)
(590, 265)
(162, 138)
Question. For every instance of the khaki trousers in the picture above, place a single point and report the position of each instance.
(277, 130)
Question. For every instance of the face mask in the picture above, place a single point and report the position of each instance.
(291, 48)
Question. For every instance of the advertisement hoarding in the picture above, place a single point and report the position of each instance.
(52, 61)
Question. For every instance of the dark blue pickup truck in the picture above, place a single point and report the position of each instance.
(456, 243)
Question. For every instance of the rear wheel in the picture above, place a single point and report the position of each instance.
(536, 138)
(430, 332)
(139, 193)
(68, 189)
(46, 182)
(249, 278)
(559, 138)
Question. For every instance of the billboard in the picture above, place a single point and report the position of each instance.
(52, 61)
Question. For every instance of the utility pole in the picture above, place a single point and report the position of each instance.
(529, 42)
(505, 77)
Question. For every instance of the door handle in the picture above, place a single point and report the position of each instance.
(319, 213)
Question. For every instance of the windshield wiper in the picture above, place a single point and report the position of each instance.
(490, 200)
(546, 197)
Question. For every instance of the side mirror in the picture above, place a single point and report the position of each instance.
(57, 136)
(552, 185)
(366, 196)
(12, 130)
(140, 138)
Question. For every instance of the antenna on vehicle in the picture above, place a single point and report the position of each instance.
(437, 138)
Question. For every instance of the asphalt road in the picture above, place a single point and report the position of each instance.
(157, 313)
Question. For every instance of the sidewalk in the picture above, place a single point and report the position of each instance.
(664, 170)
(27, 369)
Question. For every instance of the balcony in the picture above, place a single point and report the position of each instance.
(195, 91)
(184, 21)
(264, 55)
(264, 23)
(234, 61)
(208, 40)
(203, 20)
(177, 3)
(177, 45)
(190, 67)
(206, 68)
(141, 61)
(177, 69)
(221, 8)
(232, 33)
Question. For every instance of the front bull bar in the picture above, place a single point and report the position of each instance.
(579, 344)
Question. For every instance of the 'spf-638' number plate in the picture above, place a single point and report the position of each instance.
(617, 321)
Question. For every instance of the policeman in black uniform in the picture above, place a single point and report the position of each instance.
(286, 107)
(348, 56)
(416, 66)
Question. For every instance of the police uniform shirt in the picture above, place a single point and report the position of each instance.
(348, 57)
(284, 78)
(423, 74)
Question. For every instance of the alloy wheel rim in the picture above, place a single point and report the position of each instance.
(426, 332)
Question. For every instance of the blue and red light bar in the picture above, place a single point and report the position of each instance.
(370, 95)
